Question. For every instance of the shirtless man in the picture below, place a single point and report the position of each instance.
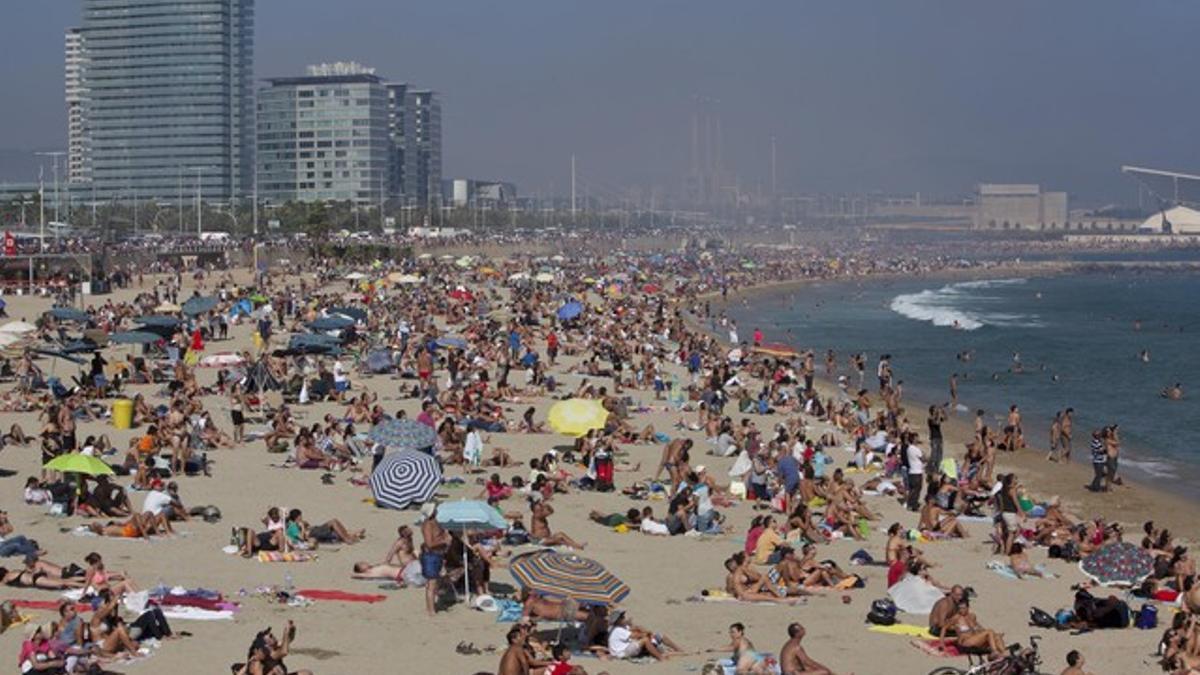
(539, 527)
(670, 459)
(1067, 424)
(793, 660)
(746, 584)
(1055, 437)
(944, 608)
(1074, 664)
(435, 542)
(514, 661)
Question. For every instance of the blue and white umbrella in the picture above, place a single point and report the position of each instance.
(198, 304)
(467, 515)
(337, 322)
(70, 314)
(405, 477)
(157, 321)
(133, 337)
(570, 310)
(356, 313)
(403, 434)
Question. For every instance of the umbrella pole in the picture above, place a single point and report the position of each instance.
(467, 568)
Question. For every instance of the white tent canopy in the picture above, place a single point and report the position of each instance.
(1182, 220)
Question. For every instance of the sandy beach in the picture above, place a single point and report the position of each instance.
(666, 574)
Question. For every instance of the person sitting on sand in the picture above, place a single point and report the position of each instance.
(402, 551)
(746, 584)
(267, 654)
(330, 532)
(1018, 560)
(746, 661)
(627, 641)
(962, 629)
(794, 660)
(935, 519)
(273, 539)
(539, 526)
(515, 660)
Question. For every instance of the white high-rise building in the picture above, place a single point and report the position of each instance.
(79, 160)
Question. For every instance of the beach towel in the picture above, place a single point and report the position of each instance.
(340, 596)
(907, 629)
(914, 595)
(510, 611)
(50, 605)
(728, 667)
(293, 556)
(1005, 570)
(935, 648)
(184, 613)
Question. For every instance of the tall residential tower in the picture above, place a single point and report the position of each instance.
(170, 97)
(79, 164)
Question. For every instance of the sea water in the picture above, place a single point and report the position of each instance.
(1078, 340)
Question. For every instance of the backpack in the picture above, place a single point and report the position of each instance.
(1147, 617)
(1041, 618)
(883, 612)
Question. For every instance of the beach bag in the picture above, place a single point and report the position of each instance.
(1063, 617)
(1041, 618)
(883, 612)
(1147, 617)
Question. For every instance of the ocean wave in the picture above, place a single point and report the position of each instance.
(956, 306)
(1153, 468)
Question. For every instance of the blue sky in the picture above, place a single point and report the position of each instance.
(867, 95)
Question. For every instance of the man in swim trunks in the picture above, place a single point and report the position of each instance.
(435, 543)
(793, 660)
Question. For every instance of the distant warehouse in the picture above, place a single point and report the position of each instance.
(1019, 207)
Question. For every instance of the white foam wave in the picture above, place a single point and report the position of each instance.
(1151, 468)
(956, 306)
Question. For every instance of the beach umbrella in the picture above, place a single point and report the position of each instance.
(570, 310)
(462, 294)
(1118, 564)
(258, 298)
(464, 262)
(405, 477)
(69, 314)
(83, 346)
(355, 276)
(167, 307)
(18, 327)
(331, 323)
(577, 416)
(465, 516)
(650, 288)
(518, 276)
(133, 337)
(544, 277)
(155, 321)
(198, 304)
(356, 313)
(56, 354)
(451, 342)
(398, 278)
(77, 462)
(404, 434)
(567, 576)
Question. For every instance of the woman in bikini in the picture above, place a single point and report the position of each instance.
(27, 578)
(968, 634)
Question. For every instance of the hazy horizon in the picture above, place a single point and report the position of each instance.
(871, 96)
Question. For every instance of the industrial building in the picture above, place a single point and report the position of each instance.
(1019, 206)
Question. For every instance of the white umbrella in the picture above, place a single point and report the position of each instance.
(519, 276)
(544, 278)
(355, 276)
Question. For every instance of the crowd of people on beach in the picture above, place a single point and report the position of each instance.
(476, 345)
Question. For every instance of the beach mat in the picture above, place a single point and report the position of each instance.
(907, 629)
(292, 556)
(340, 596)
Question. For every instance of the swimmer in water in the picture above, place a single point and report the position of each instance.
(1173, 393)
(1144, 356)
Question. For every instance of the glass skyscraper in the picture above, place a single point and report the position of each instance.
(422, 178)
(170, 97)
(324, 136)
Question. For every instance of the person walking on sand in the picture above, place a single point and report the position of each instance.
(954, 391)
(937, 416)
(1112, 449)
(1055, 437)
(1099, 462)
(1067, 425)
(793, 660)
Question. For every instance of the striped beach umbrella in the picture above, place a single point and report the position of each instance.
(567, 576)
(577, 416)
(404, 434)
(405, 477)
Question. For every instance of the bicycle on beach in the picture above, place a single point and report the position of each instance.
(1018, 661)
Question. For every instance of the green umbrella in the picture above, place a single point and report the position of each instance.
(75, 462)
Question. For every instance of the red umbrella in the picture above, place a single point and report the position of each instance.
(462, 294)
(650, 288)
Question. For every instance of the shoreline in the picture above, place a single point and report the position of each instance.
(1133, 503)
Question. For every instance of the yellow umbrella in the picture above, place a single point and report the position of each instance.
(577, 416)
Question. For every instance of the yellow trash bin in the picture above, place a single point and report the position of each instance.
(122, 413)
